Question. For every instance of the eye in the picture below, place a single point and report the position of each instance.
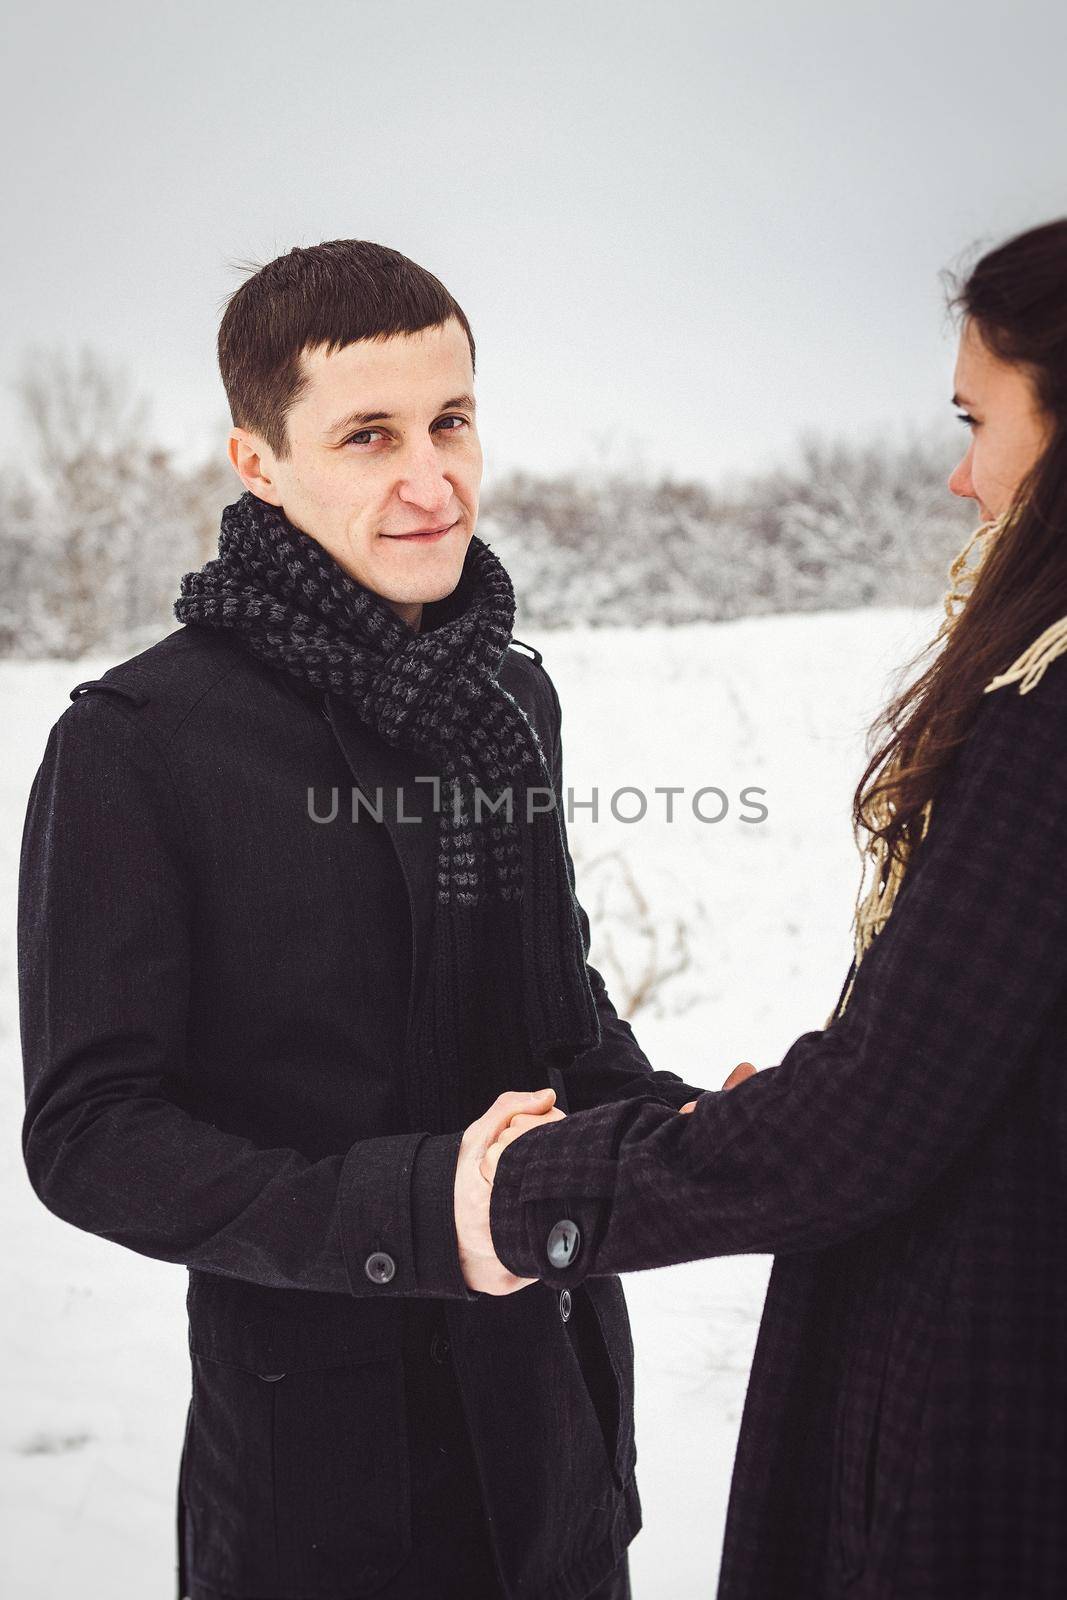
(363, 436)
(462, 421)
(966, 418)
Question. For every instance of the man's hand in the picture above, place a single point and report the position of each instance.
(517, 1126)
(743, 1070)
(478, 1260)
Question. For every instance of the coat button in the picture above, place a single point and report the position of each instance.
(563, 1243)
(380, 1267)
(439, 1348)
(565, 1304)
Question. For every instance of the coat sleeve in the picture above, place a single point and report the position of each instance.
(617, 1068)
(858, 1119)
(110, 1137)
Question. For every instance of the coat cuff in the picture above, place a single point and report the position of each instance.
(397, 1219)
(433, 1188)
(540, 1196)
(673, 1094)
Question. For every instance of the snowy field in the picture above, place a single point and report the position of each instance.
(733, 938)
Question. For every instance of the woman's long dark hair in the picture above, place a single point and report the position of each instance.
(1016, 300)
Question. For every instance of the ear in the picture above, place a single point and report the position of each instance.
(253, 461)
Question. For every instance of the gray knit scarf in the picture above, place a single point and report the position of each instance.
(506, 971)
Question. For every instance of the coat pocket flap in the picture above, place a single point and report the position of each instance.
(275, 1331)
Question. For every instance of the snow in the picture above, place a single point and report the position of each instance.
(95, 1370)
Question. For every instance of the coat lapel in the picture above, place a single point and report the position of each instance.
(386, 777)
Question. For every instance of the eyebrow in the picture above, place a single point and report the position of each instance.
(959, 400)
(363, 419)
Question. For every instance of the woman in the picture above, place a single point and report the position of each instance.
(905, 1429)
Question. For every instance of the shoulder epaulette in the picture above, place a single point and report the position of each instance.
(523, 646)
(114, 688)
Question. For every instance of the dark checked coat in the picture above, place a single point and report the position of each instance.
(905, 1428)
(215, 997)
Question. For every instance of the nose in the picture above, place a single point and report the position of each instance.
(423, 482)
(961, 482)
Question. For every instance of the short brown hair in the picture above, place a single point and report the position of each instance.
(331, 294)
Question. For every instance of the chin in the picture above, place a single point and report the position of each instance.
(435, 581)
(432, 592)
(437, 587)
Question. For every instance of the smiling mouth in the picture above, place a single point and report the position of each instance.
(423, 535)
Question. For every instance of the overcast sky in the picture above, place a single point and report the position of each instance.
(684, 232)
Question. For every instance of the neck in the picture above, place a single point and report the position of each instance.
(408, 611)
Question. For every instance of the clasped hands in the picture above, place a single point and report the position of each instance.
(510, 1116)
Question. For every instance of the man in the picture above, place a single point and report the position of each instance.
(281, 944)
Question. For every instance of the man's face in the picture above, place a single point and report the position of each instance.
(385, 462)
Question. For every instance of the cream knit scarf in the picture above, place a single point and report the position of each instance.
(873, 908)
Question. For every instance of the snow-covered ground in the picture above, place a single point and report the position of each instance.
(756, 914)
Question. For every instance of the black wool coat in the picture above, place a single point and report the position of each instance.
(216, 992)
(905, 1427)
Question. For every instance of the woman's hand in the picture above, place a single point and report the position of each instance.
(743, 1070)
